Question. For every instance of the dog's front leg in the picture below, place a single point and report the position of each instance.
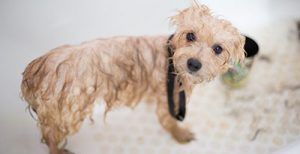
(182, 135)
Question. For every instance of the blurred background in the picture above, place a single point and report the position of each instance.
(263, 116)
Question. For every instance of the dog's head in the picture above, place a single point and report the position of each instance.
(204, 46)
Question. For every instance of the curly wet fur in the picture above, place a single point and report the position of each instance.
(62, 85)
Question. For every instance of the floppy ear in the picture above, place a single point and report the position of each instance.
(187, 16)
(239, 52)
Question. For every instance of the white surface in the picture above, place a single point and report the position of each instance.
(293, 148)
(30, 28)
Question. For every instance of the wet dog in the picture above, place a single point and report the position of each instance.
(63, 85)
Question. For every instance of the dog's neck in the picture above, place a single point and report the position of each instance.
(171, 78)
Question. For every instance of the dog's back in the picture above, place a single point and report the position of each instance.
(62, 85)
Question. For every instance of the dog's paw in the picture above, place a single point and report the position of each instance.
(183, 135)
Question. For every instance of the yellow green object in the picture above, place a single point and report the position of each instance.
(236, 76)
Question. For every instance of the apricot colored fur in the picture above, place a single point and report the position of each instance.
(62, 85)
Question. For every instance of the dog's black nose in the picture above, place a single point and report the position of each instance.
(193, 64)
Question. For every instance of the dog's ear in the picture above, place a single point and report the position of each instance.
(244, 47)
(187, 16)
(238, 53)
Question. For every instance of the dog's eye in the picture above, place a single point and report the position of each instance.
(217, 49)
(190, 37)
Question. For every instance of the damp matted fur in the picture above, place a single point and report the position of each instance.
(62, 85)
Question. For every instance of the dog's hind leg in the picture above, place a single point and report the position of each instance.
(52, 138)
(182, 135)
(49, 138)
